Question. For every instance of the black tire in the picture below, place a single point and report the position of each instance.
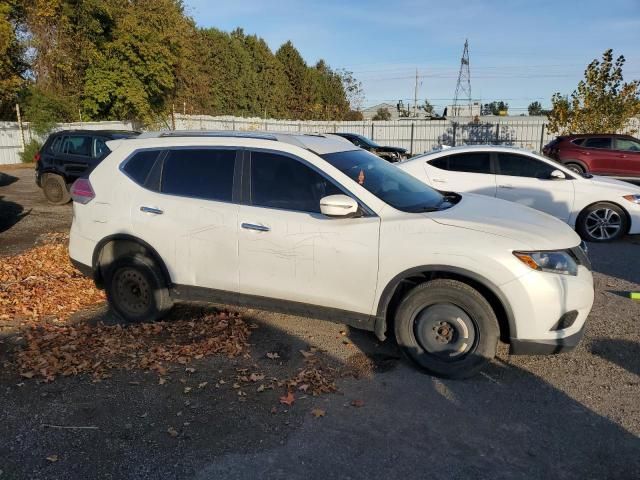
(55, 189)
(602, 222)
(136, 289)
(447, 328)
(575, 167)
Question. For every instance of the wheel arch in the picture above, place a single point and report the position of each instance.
(610, 202)
(582, 164)
(117, 245)
(405, 281)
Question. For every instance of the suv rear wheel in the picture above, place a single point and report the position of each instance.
(55, 189)
(136, 289)
(575, 167)
(447, 327)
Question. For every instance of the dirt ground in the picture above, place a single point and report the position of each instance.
(571, 416)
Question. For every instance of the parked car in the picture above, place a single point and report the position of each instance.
(600, 209)
(611, 155)
(391, 154)
(312, 225)
(68, 155)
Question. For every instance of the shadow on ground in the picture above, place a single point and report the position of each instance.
(10, 214)
(505, 423)
(624, 353)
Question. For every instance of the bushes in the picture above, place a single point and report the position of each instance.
(30, 150)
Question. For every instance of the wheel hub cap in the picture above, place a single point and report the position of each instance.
(603, 224)
(445, 331)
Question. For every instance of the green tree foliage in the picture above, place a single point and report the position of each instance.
(12, 65)
(44, 110)
(495, 108)
(602, 103)
(535, 108)
(139, 59)
(382, 113)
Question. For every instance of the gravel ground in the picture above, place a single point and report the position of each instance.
(571, 416)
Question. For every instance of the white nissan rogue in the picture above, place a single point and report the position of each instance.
(312, 225)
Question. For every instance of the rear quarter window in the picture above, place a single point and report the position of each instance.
(139, 167)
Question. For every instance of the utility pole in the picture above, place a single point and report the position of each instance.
(463, 87)
(415, 96)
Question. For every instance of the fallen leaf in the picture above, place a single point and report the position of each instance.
(304, 387)
(318, 412)
(357, 403)
(162, 381)
(260, 388)
(288, 399)
(273, 355)
(28, 374)
(52, 458)
(254, 377)
(306, 354)
(187, 389)
(172, 431)
(190, 370)
(203, 384)
(274, 410)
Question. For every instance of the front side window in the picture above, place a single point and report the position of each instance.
(478, 162)
(278, 181)
(597, 142)
(627, 145)
(390, 184)
(56, 145)
(199, 173)
(99, 148)
(523, 166)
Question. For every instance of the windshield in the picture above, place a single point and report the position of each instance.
(388, 183)
(366, 141)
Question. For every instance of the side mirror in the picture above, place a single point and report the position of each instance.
(557, 175)
(338, 206)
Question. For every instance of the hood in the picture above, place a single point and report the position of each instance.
(530, 228)
(390, 149)
(624, 188)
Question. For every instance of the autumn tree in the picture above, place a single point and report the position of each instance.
(382, 113)
(602, 103)
(12, 64)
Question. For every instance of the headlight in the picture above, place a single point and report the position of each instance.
(632, 198)
(554, 262)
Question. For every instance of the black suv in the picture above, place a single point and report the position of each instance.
(390, 154)
(68, 155)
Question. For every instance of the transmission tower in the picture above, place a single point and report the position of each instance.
(463, 88)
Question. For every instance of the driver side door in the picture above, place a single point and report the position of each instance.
(527, 180)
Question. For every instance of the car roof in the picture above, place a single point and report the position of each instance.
(590, 135)
(475, 148)
(320, 144)
(106, 133)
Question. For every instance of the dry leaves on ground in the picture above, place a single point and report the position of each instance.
(41, 283)
(70, 350)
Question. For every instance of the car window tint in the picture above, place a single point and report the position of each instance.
(598, 142)
(99, 148)
(199, 173)
(56, 145)
(523, 166)
(578, 141)
(478, 162)
(78, 145)
(278, 181)
(140, 164)
(627, 144)
(441, 163)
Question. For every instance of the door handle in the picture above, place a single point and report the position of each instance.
(509, 187)
(253, 226)
(155, 211)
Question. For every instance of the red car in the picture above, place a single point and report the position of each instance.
(600, 154)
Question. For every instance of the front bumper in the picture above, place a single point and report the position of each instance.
(546, 346)
(634, 217)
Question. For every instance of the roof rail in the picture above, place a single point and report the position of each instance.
(208, 133)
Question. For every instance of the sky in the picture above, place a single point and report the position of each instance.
(520, 50)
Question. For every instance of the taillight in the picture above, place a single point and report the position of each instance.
(36, 157)
(81, 191)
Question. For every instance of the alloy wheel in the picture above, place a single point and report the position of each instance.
(603, 223)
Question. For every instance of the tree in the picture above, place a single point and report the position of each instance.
(602, 103)
(427, 107)
(535, 108)
(382, 113)
(295, 68)
(495, 108)
(12, 65)
(352, 89)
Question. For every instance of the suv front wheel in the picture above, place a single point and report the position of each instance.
(447, 327)
(136, 289)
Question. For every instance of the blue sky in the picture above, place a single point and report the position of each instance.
(520, 50)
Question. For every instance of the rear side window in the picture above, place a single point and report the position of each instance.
(199, 173)
(627, 145)
(477, 162)
(99, 148)
(278, 181)
(139, 166)
(56, 145)
(578, 141)
(77, 145)
(598, 142)
(522, 166)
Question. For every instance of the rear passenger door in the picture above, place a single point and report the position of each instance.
(186, 209)
(600, 156)
(628, 157)
(290, 251)
(468, 172)
(75, 157)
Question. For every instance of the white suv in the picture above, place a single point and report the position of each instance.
(313, 225)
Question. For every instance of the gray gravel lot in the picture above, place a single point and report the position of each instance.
(571, 416)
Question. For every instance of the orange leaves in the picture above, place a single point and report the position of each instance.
(41, 283)
(51, 350)
(288, 399)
